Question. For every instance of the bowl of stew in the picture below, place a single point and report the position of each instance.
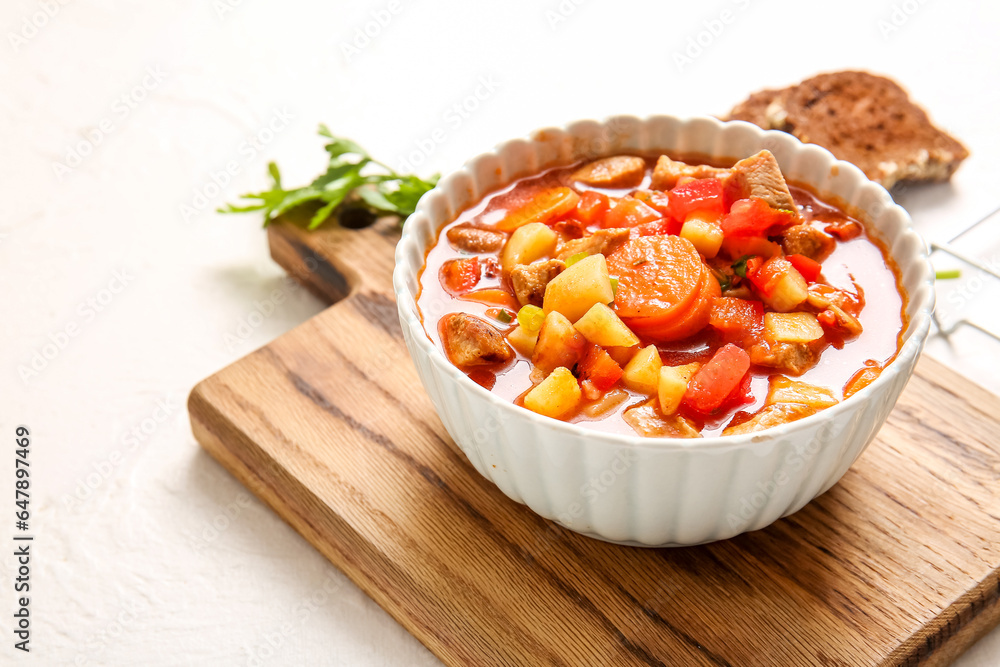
(662, 331)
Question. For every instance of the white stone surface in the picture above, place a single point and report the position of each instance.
(147, 552)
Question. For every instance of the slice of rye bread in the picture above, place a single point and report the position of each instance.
(862, 118)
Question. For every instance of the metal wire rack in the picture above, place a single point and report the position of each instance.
(948, 248)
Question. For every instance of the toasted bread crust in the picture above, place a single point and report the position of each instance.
(862, 118)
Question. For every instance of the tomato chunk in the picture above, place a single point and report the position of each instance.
(754, 217)
(703, 194)
(630, 212)
(733, 315)
(598, 367)
(459, 276)
(717, 379)
(765, 278)
(808, 267)
(592, 207)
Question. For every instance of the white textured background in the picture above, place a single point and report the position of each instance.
(147, 552)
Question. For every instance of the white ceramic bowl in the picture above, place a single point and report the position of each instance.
(658, 492)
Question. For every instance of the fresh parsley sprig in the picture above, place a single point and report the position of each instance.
(342, 188)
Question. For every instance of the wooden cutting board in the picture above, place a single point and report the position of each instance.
(896, 565)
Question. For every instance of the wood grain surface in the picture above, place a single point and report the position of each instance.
(898, 564)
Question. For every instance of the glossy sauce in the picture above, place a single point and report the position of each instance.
(861, 261)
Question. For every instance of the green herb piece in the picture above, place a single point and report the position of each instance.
(505, 316)
(531, 317)
(353, 179)
(740, 266)
(573, 259)
(725, 282)
(614, 287)
(949, 274)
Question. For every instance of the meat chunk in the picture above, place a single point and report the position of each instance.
(760, 176)
(471, 239)
(667, 172)
(529, 280)
(649, 422)
(603, 241)
(772, 415)
(471, 341)
(791, 358)
(620, 171)
(807, 240)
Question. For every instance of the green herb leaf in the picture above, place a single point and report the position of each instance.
(740, 266)
(505, 316)
(352, 175)
(573, 259)
(948, 275)
(614, 287)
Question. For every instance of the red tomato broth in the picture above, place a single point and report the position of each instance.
(861, 261)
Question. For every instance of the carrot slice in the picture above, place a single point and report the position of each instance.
(664, 288)
(543, 207)
(493, 297)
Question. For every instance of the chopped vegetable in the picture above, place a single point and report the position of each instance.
(753, 217)
(459, 276)
(642, 373)
(706, 236)
(557, 396)
(809, 268)
(630, 212)
(545, 206)
(505, 316)
(785, 390)
(667, 297)
(740, 266)
(573, 259)
(559, 344)
(703, 195)
(528, 243)
(579, 287)
(531, 317)
(717, 379)
(600, 369)
(745, 246)
(673, 384)
(342, 182)
(592, 207)
(736, 316)
(523, 340)
(601, 326)
(492, 297)
(781, 286)
(948, 275)
(792, 327)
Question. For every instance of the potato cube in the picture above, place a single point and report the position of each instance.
(788, 291)
(526, 244)
(574, 291)
(673, 383)
(601, 326)
(792, 327)
(785, 390)
(642, 373)
(705, 236)
(523, 341)
(556, 396)
(558, 344)
(622, 355)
